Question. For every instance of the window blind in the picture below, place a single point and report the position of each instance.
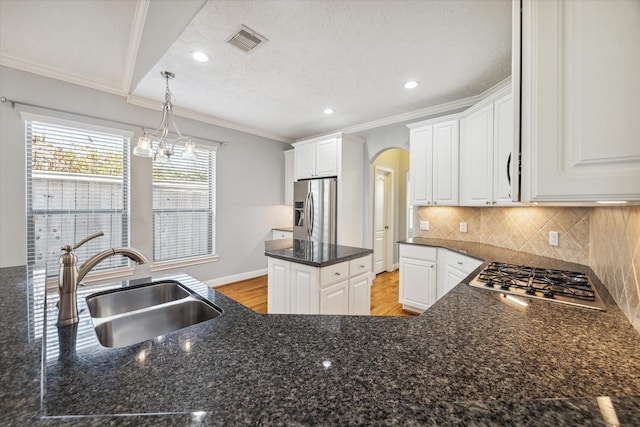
(77, 185)
(184, 206)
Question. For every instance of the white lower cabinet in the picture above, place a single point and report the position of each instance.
(417, 277)
(427, 274)
(335, 299)
(281, 234)
(360, 294)
(343, 288)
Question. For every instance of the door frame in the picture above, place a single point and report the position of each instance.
(390, 208)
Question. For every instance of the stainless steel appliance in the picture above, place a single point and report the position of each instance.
(567, 287)
(314, 210)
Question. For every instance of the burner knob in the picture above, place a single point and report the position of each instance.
(505, 286)
(547, 293)
(530, 290)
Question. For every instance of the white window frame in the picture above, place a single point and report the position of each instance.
(174, 263)
(104, 274)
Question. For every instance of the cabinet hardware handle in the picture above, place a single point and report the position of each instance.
(487, 202)
(459, 262)
(435, 203)
(362, 266)
(494, 202)
(337, 273)
(509, 169)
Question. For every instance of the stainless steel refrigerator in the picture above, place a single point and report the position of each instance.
(314, 210)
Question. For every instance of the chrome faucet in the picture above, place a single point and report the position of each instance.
(70, 276)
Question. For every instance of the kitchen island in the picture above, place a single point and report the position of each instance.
(307, 277)
(470, 359)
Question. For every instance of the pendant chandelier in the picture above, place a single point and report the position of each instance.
(158, 145)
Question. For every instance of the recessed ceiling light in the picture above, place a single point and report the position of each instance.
(199, 56)
(328, 111)
(411, 84)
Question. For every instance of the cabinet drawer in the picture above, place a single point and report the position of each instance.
(426, 253)
(281, 234)
(359, 266)
(334, 273)
(464, 263)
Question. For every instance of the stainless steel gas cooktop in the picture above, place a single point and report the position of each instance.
(567, 287)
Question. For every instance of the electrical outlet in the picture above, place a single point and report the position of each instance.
(553, 238)
(424, 225)
(463, 227)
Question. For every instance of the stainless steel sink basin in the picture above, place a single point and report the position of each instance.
(110, 303)
(127, 316)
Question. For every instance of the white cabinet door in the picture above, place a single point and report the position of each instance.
(580, 122)
(452, 277)
(503, 160)
(417, 283)
(326, 158)
(335, 299)
(304, 289)
(421, 165)
(476, 158)
(305, 161)
(360, 295)
(445, 163)
(289, 173)
(278, 286)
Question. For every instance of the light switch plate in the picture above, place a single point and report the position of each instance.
(424, 225)
(463, 227)
(553, 238)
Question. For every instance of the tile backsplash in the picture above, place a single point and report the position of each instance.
(605, 238)
(524, 229)
(615, 255)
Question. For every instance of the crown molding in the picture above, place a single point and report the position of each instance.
(41, 70)
(193, 115)
(417, 114)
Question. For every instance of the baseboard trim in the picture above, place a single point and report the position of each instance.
(235, 278)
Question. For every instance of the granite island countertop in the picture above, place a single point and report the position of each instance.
(312, 253)
(470, 359)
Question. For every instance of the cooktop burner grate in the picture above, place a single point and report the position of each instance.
(569, 287)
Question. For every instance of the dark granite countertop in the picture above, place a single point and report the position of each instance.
(470, 359)
(312, 253)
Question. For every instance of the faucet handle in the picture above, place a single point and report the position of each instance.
(70, 248)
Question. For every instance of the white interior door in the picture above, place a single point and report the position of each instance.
(380, 220)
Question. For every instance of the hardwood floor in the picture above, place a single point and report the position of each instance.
(252, 293)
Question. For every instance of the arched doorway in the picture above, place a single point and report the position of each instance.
(388, 206)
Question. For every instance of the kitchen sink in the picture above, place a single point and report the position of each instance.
(128, 316)
(110, 303)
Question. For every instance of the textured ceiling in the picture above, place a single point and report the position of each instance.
(353, 56)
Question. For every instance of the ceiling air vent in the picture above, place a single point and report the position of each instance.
(246, 39)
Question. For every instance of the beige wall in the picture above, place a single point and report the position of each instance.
(606, 239)
(614, 255)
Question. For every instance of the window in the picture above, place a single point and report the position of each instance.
(77, 185)
(184, 206)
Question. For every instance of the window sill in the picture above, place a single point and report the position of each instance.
(172, 265)
(99, 276)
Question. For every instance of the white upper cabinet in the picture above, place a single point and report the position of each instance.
(486, 163)
(580, 116)
(433, 147)
(317, 159)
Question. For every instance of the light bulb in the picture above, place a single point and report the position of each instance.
(143, 148)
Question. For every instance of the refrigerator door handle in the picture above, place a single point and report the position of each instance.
(307, 214)
(312, 209)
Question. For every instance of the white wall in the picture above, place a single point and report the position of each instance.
(250, 175)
